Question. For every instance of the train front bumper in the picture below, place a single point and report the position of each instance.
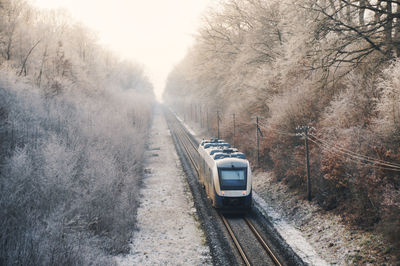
(233, 204)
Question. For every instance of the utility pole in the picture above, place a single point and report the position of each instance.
(184, 111)
(305, 131)
(208, 125)
(308, 165)
(258, 133)
(217, 124)
(196, 113)
(201, 118)
(234, 126)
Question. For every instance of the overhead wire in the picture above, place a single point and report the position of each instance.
(277, 130)
(366, 160)
(343, 151)
(366, 157)
(357, 155)
(357, 158)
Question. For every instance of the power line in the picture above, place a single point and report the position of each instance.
(366, 160)
(358, 159)
(357, 155)
(344, 151)
(277, 130)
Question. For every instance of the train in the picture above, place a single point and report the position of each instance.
(225, 174)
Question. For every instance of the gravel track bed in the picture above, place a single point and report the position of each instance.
(222, 250)
(250, 245)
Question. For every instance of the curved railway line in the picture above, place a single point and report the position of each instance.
(249, 242)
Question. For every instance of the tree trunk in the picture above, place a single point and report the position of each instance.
(23, 67)
(39, 78)
(396, 39)
(361, 14)
(348, 15)
(8, 51)
(332, 4)
(388, 26)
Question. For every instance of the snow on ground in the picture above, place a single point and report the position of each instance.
(336, 242)
(292, 236)
(168, 232)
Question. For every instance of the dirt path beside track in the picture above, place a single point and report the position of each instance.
(167, 230)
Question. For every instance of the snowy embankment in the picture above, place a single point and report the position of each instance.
(291, 235)
(167, 229)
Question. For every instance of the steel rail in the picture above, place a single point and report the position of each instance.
(235, 241)
(184, 133)
(190, 157)
(262, 242)
(181, 134)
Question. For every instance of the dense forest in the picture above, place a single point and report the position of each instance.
(330, 65)
(73, 124)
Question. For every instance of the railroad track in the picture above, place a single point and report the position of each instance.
(243, 232)
(187, 143)
(247, 258)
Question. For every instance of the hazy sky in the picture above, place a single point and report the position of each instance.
(155, 33)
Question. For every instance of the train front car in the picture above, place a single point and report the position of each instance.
(232, 184)
(226, 176)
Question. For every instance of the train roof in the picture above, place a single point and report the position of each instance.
(215, 140)
(222, 145)
(230, 162)
(217, 149)
(222, 155)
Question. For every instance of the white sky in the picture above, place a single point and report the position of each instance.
(155, 33)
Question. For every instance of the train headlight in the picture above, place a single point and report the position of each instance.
(244, 192)
(223, 193)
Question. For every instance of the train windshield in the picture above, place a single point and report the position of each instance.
(232, 178)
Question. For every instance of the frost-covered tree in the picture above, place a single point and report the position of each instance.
(352, 30)
(73, 125)
(326, 63)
